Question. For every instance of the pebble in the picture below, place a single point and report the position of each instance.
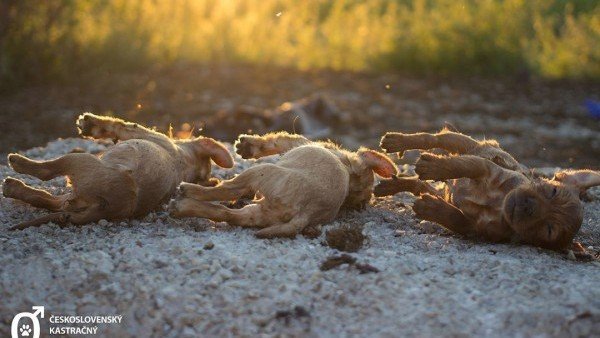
(430, 227)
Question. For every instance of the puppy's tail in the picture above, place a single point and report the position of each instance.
(60, 218)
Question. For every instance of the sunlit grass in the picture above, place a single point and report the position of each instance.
(54, 39)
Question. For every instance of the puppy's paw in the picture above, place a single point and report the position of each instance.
(211, 182)
(248, 146)
(393, 143)
(180, 191)
(18, 162)
(173, 209)
(427, 204)
(189, 190)
(311, 232)
(428, 166)
(94, 126)
(11, 186)
(387, 187)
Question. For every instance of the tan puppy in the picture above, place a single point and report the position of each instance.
(306, 187)
(487, 193)
(130, 179)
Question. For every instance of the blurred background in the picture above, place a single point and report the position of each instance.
(524, 71)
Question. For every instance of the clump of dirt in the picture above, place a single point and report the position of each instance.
(298, 312)
(366, 268)
(347, 237)
(579, 253)
(335, 261)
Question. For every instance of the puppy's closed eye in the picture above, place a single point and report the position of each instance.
(551, 192)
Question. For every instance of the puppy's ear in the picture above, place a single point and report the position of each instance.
(582, 179)
(378, 162)
(216, 151)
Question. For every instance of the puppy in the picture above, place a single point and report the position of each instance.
(306, 187)
(130, 179)
(487, 192)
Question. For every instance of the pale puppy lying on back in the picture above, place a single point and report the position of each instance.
(306, 187)
(130, 179)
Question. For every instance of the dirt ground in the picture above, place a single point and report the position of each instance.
(193, 277)
(542, 123)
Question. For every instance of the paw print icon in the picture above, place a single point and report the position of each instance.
(18, 329)
(25, 330)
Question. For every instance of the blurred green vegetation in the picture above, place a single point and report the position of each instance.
(56, 40)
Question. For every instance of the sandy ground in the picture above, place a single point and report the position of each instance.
(162, 275)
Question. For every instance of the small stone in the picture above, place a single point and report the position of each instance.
(209, 246)
(571, 255)
(399, 233)
(225, 274)
(103, 222)
(430, 227)
(189, 332)
(159, 263)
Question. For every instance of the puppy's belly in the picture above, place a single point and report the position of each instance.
(311, 181)
(476, 199)
(152, 168)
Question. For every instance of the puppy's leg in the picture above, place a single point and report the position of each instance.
(228, 190)
(435, 209)
(38, 198)
(225, 191)
(433, 167)
(254, 146)
(94, 126)
(251, 215)
(244, 184)
(86, 215)
(47, 170)
(451, 141)
(285, 230)
(409, 184)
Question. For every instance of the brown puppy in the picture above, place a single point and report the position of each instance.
(130, 179)
(306, 187)
(487, 193)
